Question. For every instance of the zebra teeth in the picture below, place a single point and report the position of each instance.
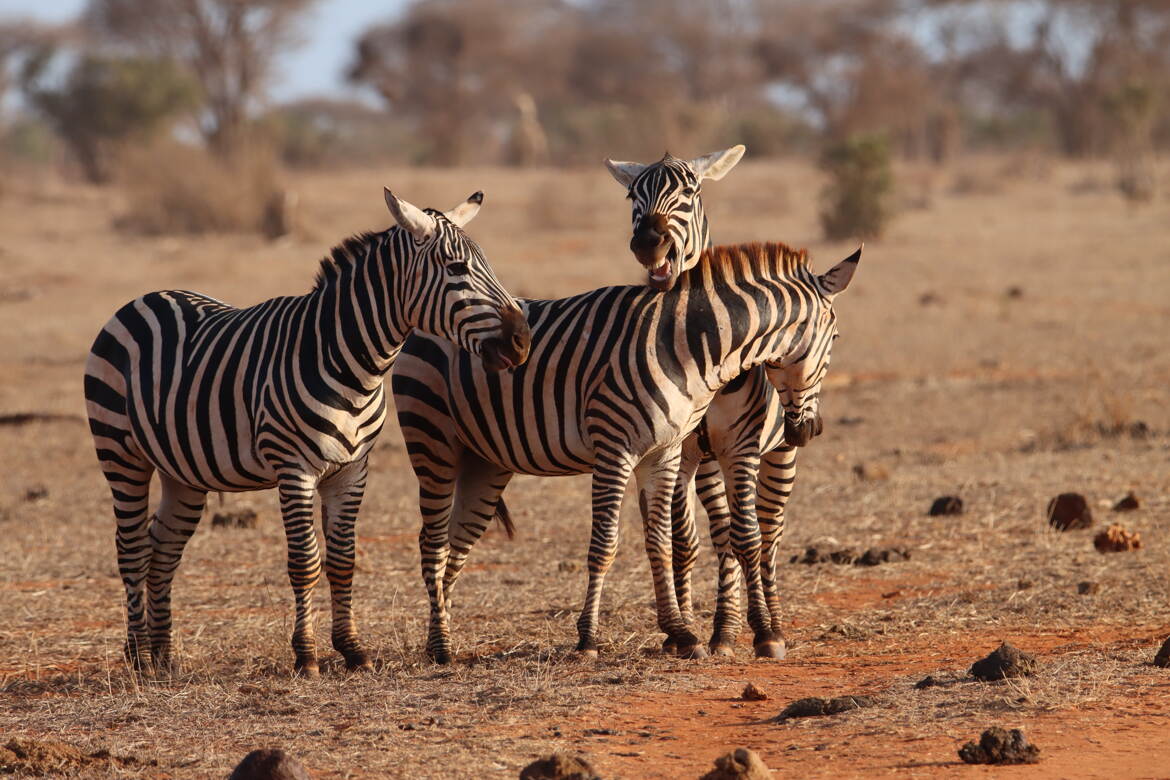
(661, 273)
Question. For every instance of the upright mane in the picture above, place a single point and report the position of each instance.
(773, 256)
(342, 256)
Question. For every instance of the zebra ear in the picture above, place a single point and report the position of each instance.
(465, 211)
(715, 166)
(625, 172)
(836, 279)
(411, 218)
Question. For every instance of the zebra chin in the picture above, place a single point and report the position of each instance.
(510, 348)
(800, 431)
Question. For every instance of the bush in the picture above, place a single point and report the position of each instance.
(174, 188)
(857, 197)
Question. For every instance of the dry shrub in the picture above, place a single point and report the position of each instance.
(175, 188)
(857, 197)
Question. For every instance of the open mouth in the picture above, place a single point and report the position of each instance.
(661, 276)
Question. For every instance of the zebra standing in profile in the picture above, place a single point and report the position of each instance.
(288, 394)
(743, 438)
(615, 381)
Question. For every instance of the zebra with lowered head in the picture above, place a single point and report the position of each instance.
(615, 381)
(286, 393)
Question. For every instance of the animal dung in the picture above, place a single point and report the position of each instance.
(269, 765)
(1162, 659)
(815, 707)
(752, 693)
(1088, 588)
(1116, 538)
(946, 505)
(1006, 661)
(1069, 512)
(874, 556)
(1000, 746)
(739, 764)
(559, 766)
(1127, 503)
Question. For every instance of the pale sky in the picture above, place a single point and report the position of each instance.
(316, 68)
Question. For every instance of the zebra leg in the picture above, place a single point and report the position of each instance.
(684, 539)
(179, 510)
(709, 486)
(304, 564)
(341, 498)
(656, 477)
(129, 479)
(745, 541)
(477, 497)
(777, 476)
(609, 487)
(436, 487)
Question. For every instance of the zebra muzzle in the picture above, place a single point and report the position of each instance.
(510, 348)
(799, 432)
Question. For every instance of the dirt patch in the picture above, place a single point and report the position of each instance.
(41, 758)
(1004, 662)
(999, 746)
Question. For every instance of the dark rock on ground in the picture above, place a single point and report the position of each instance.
(1069, 512)
(559, 766)
(946, 505)
(1127, 503)
(814, 707)
(1088, 588)
(1116, 538)
(752, 693)
(740, 764)
(1005, 662)
(269, 764)
(999, 746)
(1162, 659)
(244, 518)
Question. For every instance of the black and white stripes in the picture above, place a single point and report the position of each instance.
(286, 394)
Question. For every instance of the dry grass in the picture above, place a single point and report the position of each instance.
(945, 397)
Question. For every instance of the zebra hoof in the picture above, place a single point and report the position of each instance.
(307, 669)
(695, 651)
(440, 657)
(358, 665)
(669, 647)
(722, 650)
(773, 648)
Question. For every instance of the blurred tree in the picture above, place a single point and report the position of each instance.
(228, 45)
(107, 101)
(857, 196)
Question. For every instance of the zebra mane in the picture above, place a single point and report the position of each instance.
(789, 261)
(343, 255)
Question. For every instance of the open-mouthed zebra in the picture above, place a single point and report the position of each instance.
(287, 393)
(615, 381)
(742, 439)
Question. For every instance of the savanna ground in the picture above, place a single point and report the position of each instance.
(945, 380)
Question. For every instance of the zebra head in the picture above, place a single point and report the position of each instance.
(798, 375)
(459, 297)
(670, 228)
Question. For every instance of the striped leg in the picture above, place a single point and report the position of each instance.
(341, 498)
(179, 510)
(436, 487)
(656, 476)
(477, 494)
(609, 486)
(304, 564)
(684, 538)
(747, 545)
(777, 476)
(709, 486)
(130, 485)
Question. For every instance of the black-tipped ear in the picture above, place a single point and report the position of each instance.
(476, 197)
(836, 279)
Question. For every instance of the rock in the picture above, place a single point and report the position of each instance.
(1005, 662)
(946, 505)
(752, 693)
(1088, 588)
(559, 766)
(1069, 512)
(1162, 659)
(244, 518)
(269, 764)
(999, 746)
(814, 707)
(1115, 538)
(1127, 503)
(740, 764)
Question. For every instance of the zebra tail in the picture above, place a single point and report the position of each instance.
(504, 517)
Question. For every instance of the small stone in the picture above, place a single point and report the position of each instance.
(740, 764)
(559, 766)
(1088, 588)
(999, 746)
(1005, 662)
(269, 765)
(752, 693)
(1069, 512)
(1116, 538)
(946, 505)
(1128, 503)
(1162, 659)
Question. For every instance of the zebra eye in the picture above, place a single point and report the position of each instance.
(457, 269)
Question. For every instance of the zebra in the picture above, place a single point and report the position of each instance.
(743, 435)
(615, 381)
(287, 393)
